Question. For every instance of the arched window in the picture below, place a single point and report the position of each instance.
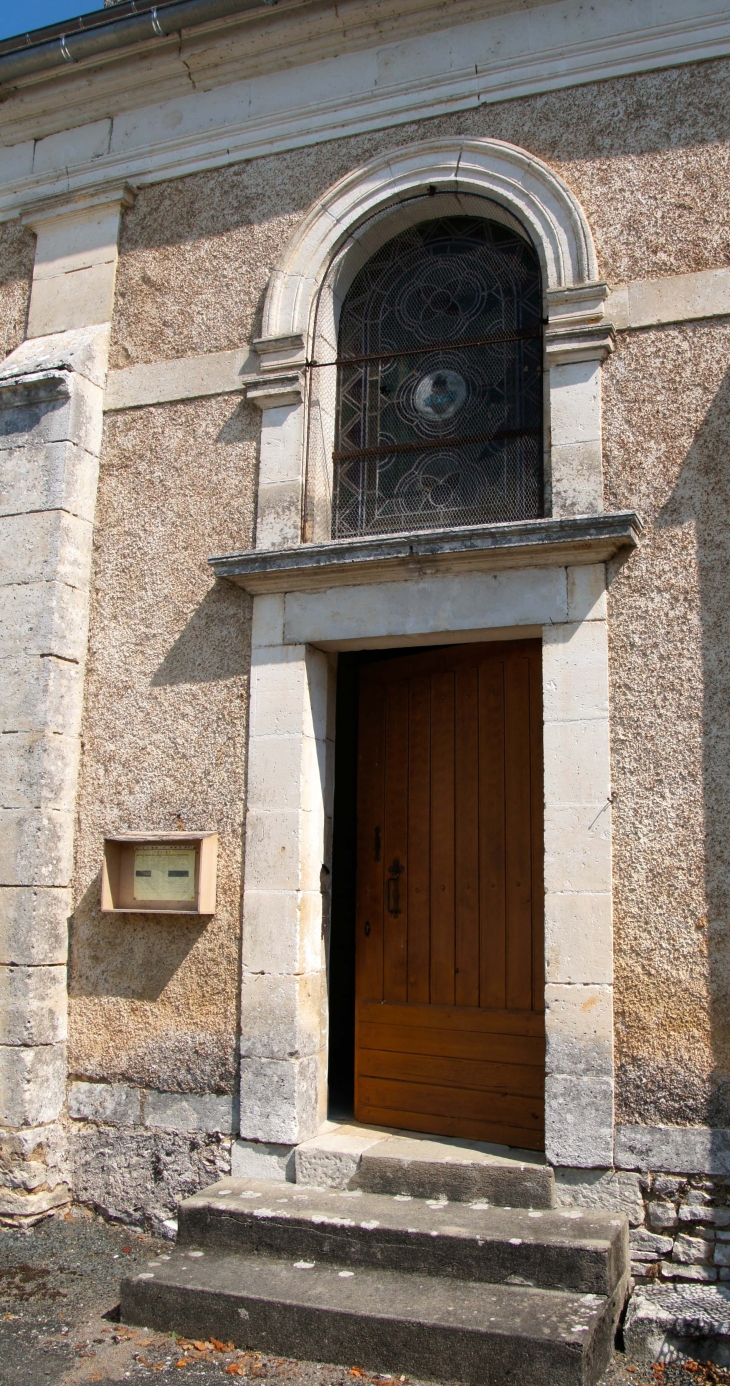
(438, 419)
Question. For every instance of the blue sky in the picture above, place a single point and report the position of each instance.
(33, 14)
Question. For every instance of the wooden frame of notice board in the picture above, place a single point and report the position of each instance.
(159, 873)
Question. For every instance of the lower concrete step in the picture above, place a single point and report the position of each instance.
(458, 1170)
(549, 1249)
(430, 1326)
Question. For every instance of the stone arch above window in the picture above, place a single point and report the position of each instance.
(339, 236)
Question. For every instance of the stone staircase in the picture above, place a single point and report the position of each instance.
(439, 1259)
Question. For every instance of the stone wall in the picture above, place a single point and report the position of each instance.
(51, 401)
(679, 1224)
(647, 156)
(154, 1000)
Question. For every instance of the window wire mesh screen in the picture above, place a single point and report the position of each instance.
(431, 416)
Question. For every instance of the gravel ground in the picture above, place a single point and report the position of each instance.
(59, 1287)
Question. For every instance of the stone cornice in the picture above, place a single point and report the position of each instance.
(326, 72)
(393, 557)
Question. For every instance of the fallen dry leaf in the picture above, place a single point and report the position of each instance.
(182, 1363)
(233, 1369)
(200, 1347)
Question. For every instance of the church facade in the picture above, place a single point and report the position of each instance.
(364, 426)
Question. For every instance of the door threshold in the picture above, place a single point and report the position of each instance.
(423, 1146)
(351, 1155)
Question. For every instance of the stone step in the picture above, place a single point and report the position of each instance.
(442, 1329)
(569, 1250)
(457, 1170)
(382, 1161)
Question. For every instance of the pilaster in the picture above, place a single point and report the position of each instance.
(51, 403)
(578, 917)
(288, 834)
(577, 340)
(278, 391)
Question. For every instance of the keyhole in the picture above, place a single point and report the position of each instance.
(367, 928)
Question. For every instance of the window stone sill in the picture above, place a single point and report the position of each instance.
(389, 558)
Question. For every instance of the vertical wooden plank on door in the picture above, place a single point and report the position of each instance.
(419, 839)
(395, 844)
(493, 922)
(370, 830)
(538, 832)
(518, 817)
(466, 971)
(442, 838)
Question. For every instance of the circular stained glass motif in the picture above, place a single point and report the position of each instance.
(439, 395)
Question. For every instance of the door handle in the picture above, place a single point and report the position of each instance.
(392, 888)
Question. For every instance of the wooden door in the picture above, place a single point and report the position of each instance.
(449, 1026)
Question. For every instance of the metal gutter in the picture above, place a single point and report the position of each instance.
(103, 31)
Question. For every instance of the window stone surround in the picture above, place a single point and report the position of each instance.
(344, 227)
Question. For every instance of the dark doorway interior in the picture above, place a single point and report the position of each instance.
(341, 1065)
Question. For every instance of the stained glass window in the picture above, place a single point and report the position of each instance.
(438, 417)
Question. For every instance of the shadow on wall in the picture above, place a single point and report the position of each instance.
(701, 497)
(127, 955)
(204, 651)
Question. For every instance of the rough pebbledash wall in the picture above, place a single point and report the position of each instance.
(17, 252)
(667, 436)
(154, 999)
(648, 156)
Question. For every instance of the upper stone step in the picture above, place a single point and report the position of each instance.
(566, 1250)
(349, 1155)
(457, 1170)
(438, 1329)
